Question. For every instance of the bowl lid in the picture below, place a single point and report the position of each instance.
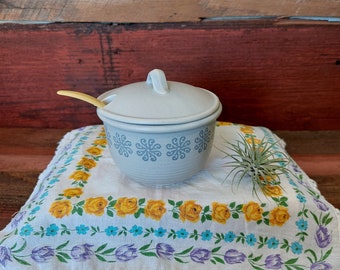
(158, 102)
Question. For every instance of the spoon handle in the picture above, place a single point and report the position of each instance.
(85, 97)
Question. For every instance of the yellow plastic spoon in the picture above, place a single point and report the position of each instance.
(85, 97)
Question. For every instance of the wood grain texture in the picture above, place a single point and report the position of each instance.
(18, 174)
(265, 72)
(129, 11)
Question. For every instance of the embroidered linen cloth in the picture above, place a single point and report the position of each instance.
(85, 214)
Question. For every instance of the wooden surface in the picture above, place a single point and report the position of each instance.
(25, 153)
(277, 73)
(157, 10)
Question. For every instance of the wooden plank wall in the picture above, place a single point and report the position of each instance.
(275, 72)
(145, 11)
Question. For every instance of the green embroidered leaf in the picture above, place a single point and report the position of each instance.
(149, 254)
(21, 261)
(109, 212)
(291, 261)
(175, 215)
(145, 246)
(212, 261)
(232, 205)
(206, 209)
(256, 259)
(315, 218)
(101, 248)
(179, 203)
(139, 212)
(239, 207)
(171, 202)
(235, 215)
(215, 249)
(219, 260)
(64, 255)
(324, 257)
(180, 260)
(108, 251)
(62, 245)
(101, 258)
(61, 258)
(184, 251)
(141, 201)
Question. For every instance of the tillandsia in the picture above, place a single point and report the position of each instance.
(258, 160)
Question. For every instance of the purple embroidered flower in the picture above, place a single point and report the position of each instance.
(43, 254)
(126, 253)
(81, 253)
(18, 217)
(233, 256)
(200, 255)
(164, 251)
(322, 237)
(321, 266)
(321, 205)
(4, 256)
(273, 261)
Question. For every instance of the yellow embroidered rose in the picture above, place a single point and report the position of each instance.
(60, 209)
(79, 175)
(126, 206)
(247, 129)
(278, 216)
(252, 211)
(95, 151)
(73, 192)
(220, 212)
(250, 140)
(95, 206)
(87, 163)
(100, 142)
(190, 210)
(221, 123)
(155, 209)
(272, 191)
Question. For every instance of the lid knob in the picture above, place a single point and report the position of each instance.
(158, 81)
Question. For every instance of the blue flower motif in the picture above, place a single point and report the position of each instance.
(136, 230)
(229, 237)
(148, 149)
(35, 210)
(301, 198)
(302, 224)
(82, 229)
(122, 145)
(178, 148)
(202, 140)
(111, 231)
(26, 230)
(45, 194)
(54, 180)
(292, 183)
(272, 243)
(160, 232)
(52, 230)
(251, 239)
(182, 233)
(296, 248)
(206, 235)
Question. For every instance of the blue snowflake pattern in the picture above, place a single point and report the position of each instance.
(148, 149)
(178, 148)
(202, 140)
(122, 145)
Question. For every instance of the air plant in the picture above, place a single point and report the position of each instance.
(258, 160)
